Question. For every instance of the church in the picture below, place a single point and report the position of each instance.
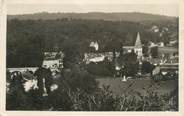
(137, 46)
(99, 56)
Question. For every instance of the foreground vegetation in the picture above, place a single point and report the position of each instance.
(78, 91)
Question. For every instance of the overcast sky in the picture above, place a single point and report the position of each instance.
(162, 9)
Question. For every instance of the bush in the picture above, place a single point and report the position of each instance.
(169, 76)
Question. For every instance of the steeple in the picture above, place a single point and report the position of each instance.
(138, 41)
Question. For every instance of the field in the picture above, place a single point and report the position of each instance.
(170, 50)
(131, 86)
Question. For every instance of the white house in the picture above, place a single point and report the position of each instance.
(52, 64)
(155, 29)
(23, 69)
(53, 60)
(98, 57)
(95, 45)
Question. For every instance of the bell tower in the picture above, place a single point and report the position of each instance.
(138, 46)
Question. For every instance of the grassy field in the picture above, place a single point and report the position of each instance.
(131, 86)
(170, 50)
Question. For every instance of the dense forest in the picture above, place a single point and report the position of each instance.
(28, 39)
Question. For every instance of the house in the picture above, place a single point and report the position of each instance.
(52, 64)
(166, 69)
(160, 44)
(53, 60)
(155, 29)
(98, 57)
(22, 69)
(173, 42)
(137, 47)
(152, 44)
(53, 55)
(94, 45)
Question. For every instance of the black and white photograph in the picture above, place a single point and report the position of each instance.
(92, 57)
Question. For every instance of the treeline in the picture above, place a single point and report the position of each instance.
(28, 39)
(115, 16)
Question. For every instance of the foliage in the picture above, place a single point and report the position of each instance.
(22, 50)
(100, 69)
(130, 63)
(154, 52)
(147, 67)
(169, 76)
(79, 92)
(29, 38)
(73, 55)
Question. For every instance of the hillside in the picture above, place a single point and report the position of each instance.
(133, 16)
(27, 39)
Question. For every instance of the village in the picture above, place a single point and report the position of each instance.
(163, 60)
(92, 61)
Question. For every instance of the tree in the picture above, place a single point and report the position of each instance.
(16, 98)
(43, 73)
(72, 55)
(145, 50)
(154, 52)
(131, 64)
(147, 67)
(28, 49)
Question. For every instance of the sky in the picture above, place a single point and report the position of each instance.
(161, 9)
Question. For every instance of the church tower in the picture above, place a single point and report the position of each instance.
(138, 46)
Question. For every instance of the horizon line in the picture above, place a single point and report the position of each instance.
(89, 12)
